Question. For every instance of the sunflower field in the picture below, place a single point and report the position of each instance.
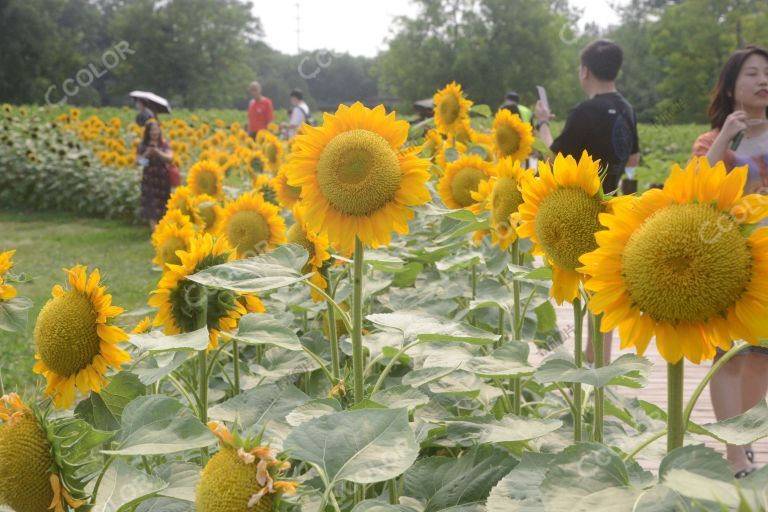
(373, 317)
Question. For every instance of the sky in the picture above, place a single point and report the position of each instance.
(360, 27)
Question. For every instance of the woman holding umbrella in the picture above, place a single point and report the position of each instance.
(155, 155)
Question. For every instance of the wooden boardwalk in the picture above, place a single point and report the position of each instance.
(656, 390)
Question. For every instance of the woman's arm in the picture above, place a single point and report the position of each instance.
(734, 123)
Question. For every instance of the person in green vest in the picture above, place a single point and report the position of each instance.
(512, 103)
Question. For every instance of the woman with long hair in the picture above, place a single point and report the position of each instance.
(738, 114)
(155, 155)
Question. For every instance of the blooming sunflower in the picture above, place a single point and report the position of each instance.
(183, 200)
(262, 184)
(355, 180)
(7, 291)
(315, 244)
(560, 215)
(206, 177)
(461, 178)
(176, 296)
(242, 476)
(75, 343)
(28, 478)
(211, 213)
(173, 233)
(511, 136)
(684, 263)
(252, 226)
(451, 109)
(502, 197)
(272, 150)
(287, 196)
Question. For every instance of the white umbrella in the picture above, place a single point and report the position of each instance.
(156, 104)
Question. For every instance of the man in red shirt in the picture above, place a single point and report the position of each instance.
(259, 110)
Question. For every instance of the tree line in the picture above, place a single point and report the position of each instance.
(203, 53)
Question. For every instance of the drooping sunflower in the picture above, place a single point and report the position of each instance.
(560, 215)
(272, 150)
(287, 196)
(684, 263)
(461, 178)
(512, 137)
(315, 244)
(7, 291)
(262, 184)
(206, 177)
(355, 179)
(29, 478)
(211, 213)
(451, 109)
(501, 196)
(176, 297)
(183, 200)
(242, 476)
(75, 342)
(173, 233)
(252, 226)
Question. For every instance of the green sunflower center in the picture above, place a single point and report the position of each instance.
(188, 297)
(208, 214)
(505, 199)
(65, 333)
(293, 192)
(296, 235)
(248, 232)
(227, 484)
(270, 151)
(464, 183)
(207, 181)
(449, 108)
(566, 225)
(358, 172)
(25, 472)
(686, 263)
(168, 250)
(507, 139)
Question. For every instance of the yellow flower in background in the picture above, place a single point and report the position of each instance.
(461, 178)
(185, 202)
(685, 264)
(272, 150)
(287, 195)
(75, 342)
(316, 246)
(177, 298)
(560, 215)
(206, 177)
(451, 109)
(262, 184)
(7, 291)
(252, 226)
(144, 325)
(511, 136)
(355, 178)
(211, 213)
(173, 233)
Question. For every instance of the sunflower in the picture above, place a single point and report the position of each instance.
(451, 109)
(7, 291)
(75, 343)
(502, 197)
(144, 325)
(511, 136)
(242, 476)
(272, 150)
(210, 213)
(287, 196)
(560, 215)
(355, 180)
(173, 233)
(206, 177)
(252, 226)
(183, 200)
(262, 184)
(461, 178)
(28, 478)
(316, 246)
(684, 263)
(176, 296)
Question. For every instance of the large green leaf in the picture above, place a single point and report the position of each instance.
(363, 446)
(156, 425)
(380, 506)
(698, 459)
(182, 480)
(743, 429)
(158, 366)
(278, 363)
(269, 271)
(426, 327)
(103, 410)
(14, 314)
(156, 341)
(264, 329)
(399, 396)
(520, 490)
(628, 370)
(726, 494)
(312, 409)
(417, 378)
(259, 406)
(509, 360)
(510, 428)
(462, 484)
(123, 486)
(165, 505)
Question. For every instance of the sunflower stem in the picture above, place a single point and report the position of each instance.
(236, 357)
(394, 494)
(598, 342)
(202, 358)
(578, 324)
(675, 425)
(357, 321)
(517, 325)
(95, 493)
(332, 334)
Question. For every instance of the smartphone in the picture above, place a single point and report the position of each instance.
(543, 96)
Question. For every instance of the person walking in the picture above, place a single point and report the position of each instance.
(260, 112)
(154, 155)
(299, 114)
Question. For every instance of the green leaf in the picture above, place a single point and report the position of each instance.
(159, 366)
(698, 487)
(427, 327)
(158, 425)
(540, 274)
(539, 146)
(481, 110)
(156, 341)
(14, 314)
(628, 370)
(164, 505)
(278, 363)
(696, 458)
(460, 261)
(743, 429)
(123, 486)
(462, 484)
(510, 428)
(510, 360)
(520, 490)
(380, 506)
(103, 410)
(546, 317)
(311, 410)
(269, 271)
(399, 396)
(365, 446)
(182, 479)
(418, 378)
(264, 329)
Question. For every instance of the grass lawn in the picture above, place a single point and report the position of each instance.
(47, 242)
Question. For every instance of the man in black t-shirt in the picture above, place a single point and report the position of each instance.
(604, 125)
